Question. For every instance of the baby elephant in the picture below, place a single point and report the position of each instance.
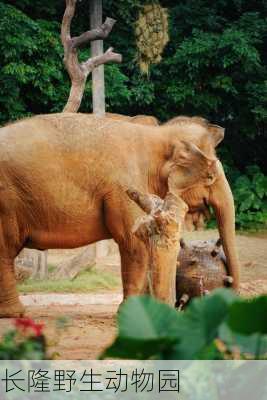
(201, 267)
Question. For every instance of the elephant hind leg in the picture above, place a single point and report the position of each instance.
(10, 305)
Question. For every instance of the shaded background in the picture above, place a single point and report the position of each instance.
(214, 66)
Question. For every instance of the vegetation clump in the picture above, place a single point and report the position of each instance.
(24, 342)
(214, 327)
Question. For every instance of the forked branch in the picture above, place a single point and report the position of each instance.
(79, 72)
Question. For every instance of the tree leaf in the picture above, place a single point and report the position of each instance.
(254, 345)
(147, 328)
(153, 319)
(200, 323)
(249, 316)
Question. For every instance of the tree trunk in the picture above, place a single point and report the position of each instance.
(160, 230)
(75, 97)
(98, 78)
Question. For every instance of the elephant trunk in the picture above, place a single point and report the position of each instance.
(221, 199)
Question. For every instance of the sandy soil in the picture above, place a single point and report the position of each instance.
(90, 320)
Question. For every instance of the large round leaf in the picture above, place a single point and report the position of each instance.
(150, 329)
(147, 319)
(147, 329)
(249, 316)
(254, 345)
(200, 323)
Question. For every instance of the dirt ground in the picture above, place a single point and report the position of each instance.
(90, 320)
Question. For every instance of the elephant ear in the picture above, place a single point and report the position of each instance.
(217, 133)
(189, 156)
(189, 166)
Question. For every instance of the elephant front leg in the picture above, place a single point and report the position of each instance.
(10, 305)
(134, 263)
(120, 214)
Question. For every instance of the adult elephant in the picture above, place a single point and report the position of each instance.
(63, 182)
(216, 194)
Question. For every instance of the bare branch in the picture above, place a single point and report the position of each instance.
(108, 57)
(99, 33)
(78, 72)
(70, 55)
(66, 22)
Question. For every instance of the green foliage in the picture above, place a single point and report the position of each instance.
(250, 193)
(33, 79)
(117, 93)
(31, 66)
(249, 317)
(212, 327)
(151, 337)
(198, 326)
(214, 66)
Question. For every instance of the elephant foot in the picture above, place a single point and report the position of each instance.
(15, 310)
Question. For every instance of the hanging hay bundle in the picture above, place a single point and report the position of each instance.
(151, 35)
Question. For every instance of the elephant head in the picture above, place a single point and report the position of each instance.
(187, 166)
(212, 187)
(219, 196)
